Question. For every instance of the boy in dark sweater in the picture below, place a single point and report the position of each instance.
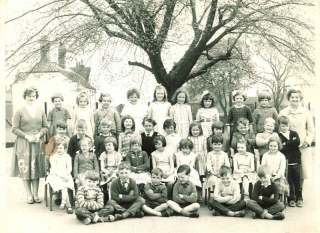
(74, 146)
(147, 137)
(125, 197)
(291, 141)
(156, 195)
(184, 195)
(265, 198)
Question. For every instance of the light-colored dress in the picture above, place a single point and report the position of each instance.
(84, 114)
(162, 161)
(301, 121)
(244, 162)
(214, 162)
(200, 149)
(277, 164)
(111, 162)
(187, 159)
(60, 166)
(28, 161)
(172, 142)
(137, 112)
(159, 113)
(181, 118)
(207, 116)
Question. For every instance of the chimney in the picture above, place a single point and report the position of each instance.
(62, 56)
(44, 49)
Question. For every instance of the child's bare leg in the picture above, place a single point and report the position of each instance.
(27, 187)
(192, 207)
(174, 206)
(245, 185)
(35, 187)
(148, 210)
(161, 207)
(65, 197)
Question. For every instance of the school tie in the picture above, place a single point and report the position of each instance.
(148, 134)
(125, 185)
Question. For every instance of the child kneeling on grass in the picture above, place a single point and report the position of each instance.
(89, 201)
(184, 194)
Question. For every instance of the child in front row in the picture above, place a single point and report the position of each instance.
(156, 195)
(184, 195)
(265, 197)
(215, 159)
(243, 163)
(227, 197)
(243, 133)
(291, 141)
(89, 201)
(125, 197)
(110, 160)
(84, 161)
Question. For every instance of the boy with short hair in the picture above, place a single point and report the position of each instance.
(156, 195)
(243, 133)
(227, 197)
(105, 131)
(89, 201)
(184, 194)
(73, 146)
(58, 113)
(291, 141)
(265, 197)
(125, 197)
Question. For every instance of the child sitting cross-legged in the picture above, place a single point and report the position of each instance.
(265, 197)
(89, 201)
(125, 197)
(226, 197)
(184, 194)
(156, 195)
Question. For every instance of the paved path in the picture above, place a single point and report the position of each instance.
(21, 217)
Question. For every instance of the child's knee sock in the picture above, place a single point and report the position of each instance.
(126, 214)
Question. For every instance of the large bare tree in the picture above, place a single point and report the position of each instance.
(159, 28)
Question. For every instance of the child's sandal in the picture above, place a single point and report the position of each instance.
(69, 210)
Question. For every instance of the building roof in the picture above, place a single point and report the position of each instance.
(82, 71)
(48, 67)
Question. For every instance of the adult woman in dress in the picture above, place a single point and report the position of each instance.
(301, 122)
(28, 161)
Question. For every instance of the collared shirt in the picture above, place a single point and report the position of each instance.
(286, 134)
(266, 186)
(149, 134)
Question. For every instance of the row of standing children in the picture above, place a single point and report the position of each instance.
(181, 97)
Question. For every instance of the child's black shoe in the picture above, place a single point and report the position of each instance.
(194, 214)
(278, 216)
(240, 213)
(139, 214)
(165, 214)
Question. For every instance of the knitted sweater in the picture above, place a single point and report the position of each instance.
(159, 194)
(81, 164)
(110, 114)
(266, 193)
(89, 198)
(188, 190)
(117, 188)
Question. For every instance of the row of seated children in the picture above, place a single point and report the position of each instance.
(126, 202)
